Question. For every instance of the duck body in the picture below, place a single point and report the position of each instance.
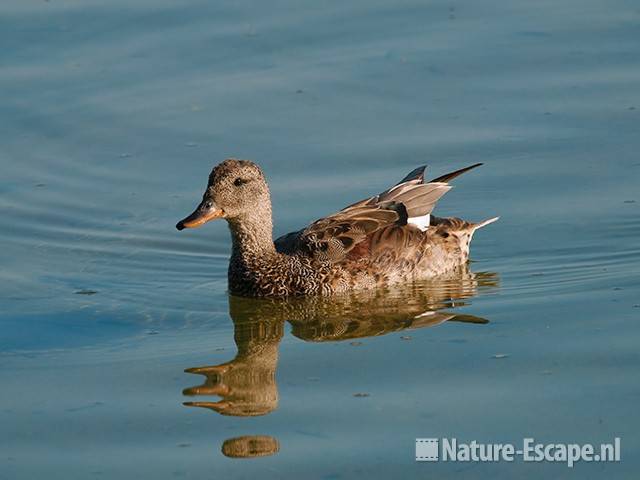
(383, 240)
(292, 271)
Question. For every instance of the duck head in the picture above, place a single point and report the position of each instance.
(236, 189)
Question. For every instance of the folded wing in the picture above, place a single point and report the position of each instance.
(381, 222)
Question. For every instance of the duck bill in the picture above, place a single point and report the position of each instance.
(200, 216)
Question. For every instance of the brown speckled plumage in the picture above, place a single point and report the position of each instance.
(369, 244)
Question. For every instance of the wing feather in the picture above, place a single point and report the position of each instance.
(374, 224)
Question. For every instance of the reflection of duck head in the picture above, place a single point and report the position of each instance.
(250, 446)
(247, 383)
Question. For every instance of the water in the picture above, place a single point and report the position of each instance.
(113, 114)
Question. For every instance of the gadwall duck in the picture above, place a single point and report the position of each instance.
(386, 239)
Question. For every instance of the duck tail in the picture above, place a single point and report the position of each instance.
(484, 223)
(465, 240)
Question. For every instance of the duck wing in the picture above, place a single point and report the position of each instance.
(381, 221)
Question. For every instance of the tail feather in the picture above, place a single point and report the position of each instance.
(462, 229)
(470, 232)
(484, 223)
(450, 176)
(418, 197)
(416, 174)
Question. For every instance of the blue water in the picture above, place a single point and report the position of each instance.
(114, 112)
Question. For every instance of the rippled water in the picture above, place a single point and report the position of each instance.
(113, 114)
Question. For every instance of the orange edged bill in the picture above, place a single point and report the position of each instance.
(205, 212)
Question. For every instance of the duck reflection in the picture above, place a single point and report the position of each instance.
(247, 384)
(377, 312)
(250, 446)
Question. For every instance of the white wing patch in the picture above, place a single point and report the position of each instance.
(421, 222)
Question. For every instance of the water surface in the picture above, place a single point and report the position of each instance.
(113, 114)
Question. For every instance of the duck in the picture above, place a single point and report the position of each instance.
(387, 239)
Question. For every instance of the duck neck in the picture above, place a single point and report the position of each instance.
(252, 236)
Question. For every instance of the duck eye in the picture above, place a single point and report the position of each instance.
(239, 181)
(209, 204)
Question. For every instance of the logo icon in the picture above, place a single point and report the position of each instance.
(426, 449)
